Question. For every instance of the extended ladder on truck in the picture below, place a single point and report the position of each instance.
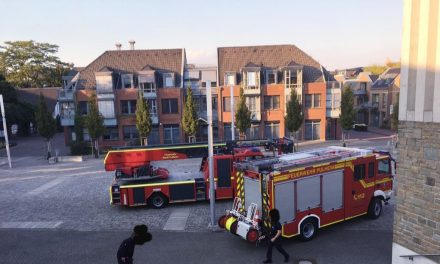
(311, 189)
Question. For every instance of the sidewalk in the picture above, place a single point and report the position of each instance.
(36, 146)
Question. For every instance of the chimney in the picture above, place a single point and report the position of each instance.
(132, 44)
(118, 46)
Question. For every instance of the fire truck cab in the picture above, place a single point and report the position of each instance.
(311, 190)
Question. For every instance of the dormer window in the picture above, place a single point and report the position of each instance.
(168, 80)
(230, 78)
(251, 79)
(104, 84)
(271, 77)
(127, 81)
(147, 84)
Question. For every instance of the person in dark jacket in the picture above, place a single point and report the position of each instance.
(274, 239)
(139, 236)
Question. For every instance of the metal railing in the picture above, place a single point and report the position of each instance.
(411, 257)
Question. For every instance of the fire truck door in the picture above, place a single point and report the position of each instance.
(362, 187)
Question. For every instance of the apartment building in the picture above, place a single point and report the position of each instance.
(384, 94)
(267, 74)
(117, 76)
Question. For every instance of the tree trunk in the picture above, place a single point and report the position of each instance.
(91, 143)
(292, 136)
(343, 139)
(145, 141)
(48, 149)
(97, 149)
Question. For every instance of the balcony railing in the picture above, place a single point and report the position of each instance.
(256, 116)
(149, 93)
(65, 95)
(292, 85)
(67, 118)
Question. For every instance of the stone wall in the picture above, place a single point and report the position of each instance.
(417, 214)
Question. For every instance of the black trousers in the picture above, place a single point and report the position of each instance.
(127, 260)
(278, 246)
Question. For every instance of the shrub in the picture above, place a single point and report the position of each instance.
(80, 148)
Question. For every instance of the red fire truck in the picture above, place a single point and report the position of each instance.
(311, 190)
(137, 182)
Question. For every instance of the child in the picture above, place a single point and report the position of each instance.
(139, 236)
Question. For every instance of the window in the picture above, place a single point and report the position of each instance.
(251, 102)
(253, 132)
(168, 80)
(127, 81)
(363, 86)
(228, 132)
(375, 98)
(293, 78)
(146, 83)
(229, 78)
(316, 100)
(271, 78)
(337, 100)
(203, 84)
(111, 133)
(251, 79)
(384, 100)
(153, 138)
(272, 102)
(67, 109)
(227, 104)
(215, 103)
(86, 135)
(312, 100)
(169, 106)
(213, 84)
(312, 130)
(104, 84)
(171, 134)
(384, 166)
(359, 172)
(107, 108)
(152, 105)
(128, 107)
(371, 170)
(130, 132)
(272, 130)
(83, 107)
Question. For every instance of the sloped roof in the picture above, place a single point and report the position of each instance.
(233, 59)
(386, 79)
(132, 61)
(32, 96)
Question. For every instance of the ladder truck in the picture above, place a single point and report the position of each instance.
(138, 182)
(311, 190)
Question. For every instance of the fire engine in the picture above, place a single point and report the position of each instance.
(311, 190)
(137, 182)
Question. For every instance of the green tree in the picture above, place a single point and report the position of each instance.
(294, 117)
(20, 113)
(347, 111)
(94, 122)
(79, 125)
(375, 69)
(143, 119)
(189, 122)
(31, 64)
(46, 124)
(242, 115)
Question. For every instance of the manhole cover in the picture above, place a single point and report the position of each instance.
(305, 262)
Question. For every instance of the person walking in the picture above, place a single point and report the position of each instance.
(139, 236)
(274, 239)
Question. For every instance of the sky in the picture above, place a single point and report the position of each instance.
(337, 33)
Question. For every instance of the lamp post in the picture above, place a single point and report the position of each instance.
(5, 130)
(210, 153)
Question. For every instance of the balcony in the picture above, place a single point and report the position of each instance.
(149, 93)
(110, 122)
(333, 112)
(256, 116)
(155, 119)
(360, 92)
(293, 85)
(65, 95)
(203, 115)
(252, 90)
(67, 120)
(102, 93)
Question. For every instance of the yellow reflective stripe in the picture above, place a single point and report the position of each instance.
(156, 184)
(111, 196)
(371, 184)
(355, 216)
(284, 235)
(333, 223)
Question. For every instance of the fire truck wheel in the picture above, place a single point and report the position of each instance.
(157, 201)
(252, 235)
(375, 208)
(222, 221)
(309, 228)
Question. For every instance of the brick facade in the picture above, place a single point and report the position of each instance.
(417, 214)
